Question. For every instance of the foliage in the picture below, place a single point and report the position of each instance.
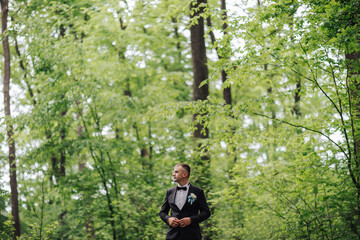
(103, 113)
(6, 227)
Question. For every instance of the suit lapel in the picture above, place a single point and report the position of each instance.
(172, 198)
(188, 194)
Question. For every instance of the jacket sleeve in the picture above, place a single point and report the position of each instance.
(164, 212)
(204, 211)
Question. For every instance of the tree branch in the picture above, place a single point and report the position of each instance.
(303, 127)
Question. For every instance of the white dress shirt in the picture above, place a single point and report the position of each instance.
(181, 195)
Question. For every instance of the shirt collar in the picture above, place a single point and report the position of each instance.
(186, 185)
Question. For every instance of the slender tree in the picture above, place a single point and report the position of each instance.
(9, 126)
(89, 223)
(227, 90)
(224, 75)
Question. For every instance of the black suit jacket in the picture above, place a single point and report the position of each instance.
(198, 211)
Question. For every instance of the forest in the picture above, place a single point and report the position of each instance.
(102, 98)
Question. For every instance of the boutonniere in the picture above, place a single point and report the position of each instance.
(191, 198)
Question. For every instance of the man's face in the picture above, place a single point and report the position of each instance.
(179, 173)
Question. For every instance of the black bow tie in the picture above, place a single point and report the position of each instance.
(180, 188)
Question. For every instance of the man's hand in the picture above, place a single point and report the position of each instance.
(173, 222)
(185, 222)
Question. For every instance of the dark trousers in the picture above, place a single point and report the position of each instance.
(182, 236)
(179, 237)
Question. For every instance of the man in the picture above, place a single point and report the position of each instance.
(188, 207)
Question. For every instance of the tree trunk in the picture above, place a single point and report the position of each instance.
(353, 72)
(296, 109)
(354, 84)
(352, 56)
(227, 90)
(9, 126)
(199, 62)
(89, 223)
(200, 74)
(177, 37)
(62, 150)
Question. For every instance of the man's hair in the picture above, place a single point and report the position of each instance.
(186, 167)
